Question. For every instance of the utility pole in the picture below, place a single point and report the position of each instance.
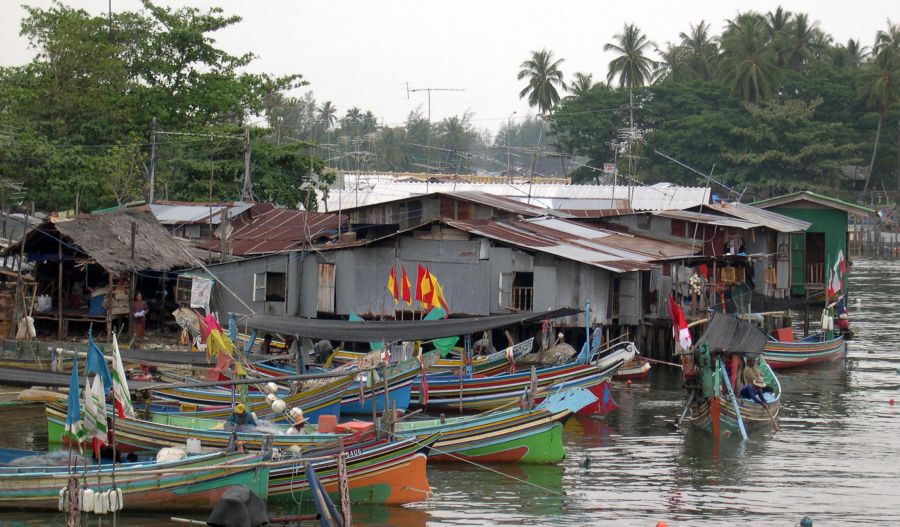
(152, 158)
(508, 156)
(247, 191)
(429, 90)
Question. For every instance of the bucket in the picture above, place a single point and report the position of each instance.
(193, 446)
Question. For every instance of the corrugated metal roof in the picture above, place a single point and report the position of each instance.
(760, 216)
(269, 229)
(497, 202)
(359, 191)
(710, 219)
(821, 199)
(602, 248)
(187, 213)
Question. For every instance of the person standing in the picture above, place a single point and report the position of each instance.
(139, 310)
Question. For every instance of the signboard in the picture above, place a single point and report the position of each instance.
(609, 168)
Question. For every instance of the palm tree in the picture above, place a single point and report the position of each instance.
(582, 84)
(544, 77)
(856, 53)
(327, 114)
(889, 38)
(632, 66)
(672, 65)
(800, 39)
(879, 85)
(700, 50)
(747, 61)
(776, 28)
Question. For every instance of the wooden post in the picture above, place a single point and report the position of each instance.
(132, 289)
(111, 297)
(714, 417)
(59, 290)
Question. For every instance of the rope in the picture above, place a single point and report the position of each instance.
(489, 469)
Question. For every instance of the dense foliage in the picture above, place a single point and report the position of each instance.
(771, 104)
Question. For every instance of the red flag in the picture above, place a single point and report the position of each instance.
(425, 289)
(680, 331)
(404, 286)
(392, 286)
(420, 276)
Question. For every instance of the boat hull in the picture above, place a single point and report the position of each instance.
(191, 486)
(783, 355)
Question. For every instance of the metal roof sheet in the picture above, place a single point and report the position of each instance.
(185, 213)
(602, 248)
(710, 219)
(359, 191)
(269, 229)
(821, 199)
(760, 216)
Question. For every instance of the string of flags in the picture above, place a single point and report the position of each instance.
(428, 290)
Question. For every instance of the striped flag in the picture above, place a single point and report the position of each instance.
(96, 363)
(95, 414)
(73, 430)
(120, 384)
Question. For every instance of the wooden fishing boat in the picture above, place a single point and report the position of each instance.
(714, 403)
(637, 368)
(324, 399)
(173, 430)
(378, 472)
(454, 392)
(814, 349)
(194, 483)
(508, 436)
(369, 389)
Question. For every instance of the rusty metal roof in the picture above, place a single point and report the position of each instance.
(269, 229)
(761, 217)
(611, 250)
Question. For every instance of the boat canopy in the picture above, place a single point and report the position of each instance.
(726, 333)
(393, 330)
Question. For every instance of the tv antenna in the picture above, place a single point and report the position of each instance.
(429, 90)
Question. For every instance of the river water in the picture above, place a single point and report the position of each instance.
(836, 458)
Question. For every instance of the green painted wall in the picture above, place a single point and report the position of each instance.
(831, 222)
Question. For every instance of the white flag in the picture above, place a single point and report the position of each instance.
(95, 411)
(120, 384)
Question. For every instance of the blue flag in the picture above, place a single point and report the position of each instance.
(96, 363)
(73, 408)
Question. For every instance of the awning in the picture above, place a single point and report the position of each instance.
(392, 330)
(730, 334)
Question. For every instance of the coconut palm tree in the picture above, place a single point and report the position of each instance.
(582, 84)
(327, 114)
(748, 62)
(633, 67)
(545, 79)
(672, 65)
(888, 38)
(777, 24)
(880, 85)
(700, 50)
(800, 41)
(856, 53)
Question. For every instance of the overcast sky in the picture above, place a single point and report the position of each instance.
(363, 53)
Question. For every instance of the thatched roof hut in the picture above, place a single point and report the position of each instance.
(107, 239)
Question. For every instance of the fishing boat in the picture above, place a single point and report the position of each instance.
(635, 369)
(193, 483)
(506, 436)
(813, 349)
(169, 429)
(710, 373)
(479, 393)
(367, 394)
(378, 472)
(323, 399)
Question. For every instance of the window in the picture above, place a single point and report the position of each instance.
(268, 287)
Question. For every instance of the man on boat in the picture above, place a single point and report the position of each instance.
(239, 417)
(299, 426)
(755, 391)
(751, 373)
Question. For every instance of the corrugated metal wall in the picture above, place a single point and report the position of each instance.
(238, 276)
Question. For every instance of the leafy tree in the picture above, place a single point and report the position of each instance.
(545, 79)
(879, 85)
(780, 139)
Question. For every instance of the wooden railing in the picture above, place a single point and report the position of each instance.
(815, 274)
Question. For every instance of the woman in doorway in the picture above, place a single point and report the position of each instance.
(139, 310)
